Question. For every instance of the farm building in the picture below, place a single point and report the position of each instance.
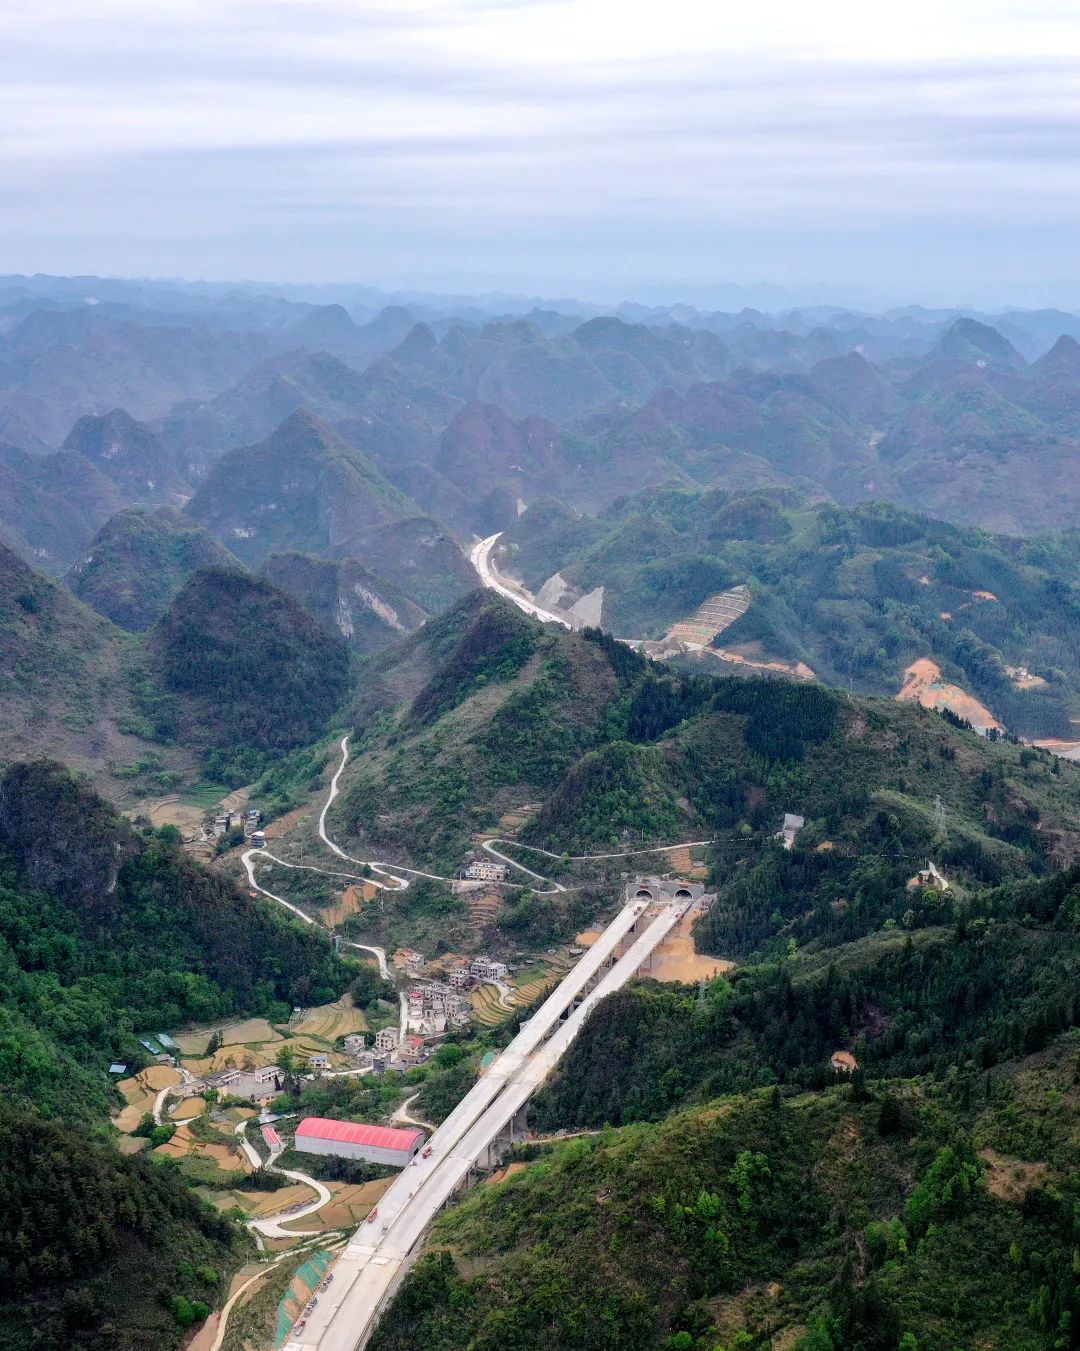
(259, 1086)
(354, 1140)
(487, 968)
(486, 870)
(928, 879)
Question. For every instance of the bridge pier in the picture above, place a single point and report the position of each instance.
(513, 1133)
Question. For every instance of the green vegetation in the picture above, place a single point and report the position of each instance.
(857, 593)
(303, 489)
(98, 1250)
(999, 984)
(257, 676)
(138, 562)
(936, 1212)
(105, 931)
(619, 752)
(760, 1218)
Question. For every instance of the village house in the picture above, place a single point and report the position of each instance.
(386, 1039)
(260, 1086)
(791, 827)
(486, 870)
(413, 1052)
(487, 968)
(355, 1044)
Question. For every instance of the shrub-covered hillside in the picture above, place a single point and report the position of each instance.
(925, 1215)
(484, 712)
(139, 560)
(857, 593)
(727, 1188)
(256, 675)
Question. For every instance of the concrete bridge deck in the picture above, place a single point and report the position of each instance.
(381, 1252)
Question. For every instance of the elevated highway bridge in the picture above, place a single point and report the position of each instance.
(381, 1251)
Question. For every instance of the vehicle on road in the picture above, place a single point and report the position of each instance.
(427, 1153)
(373, 1216)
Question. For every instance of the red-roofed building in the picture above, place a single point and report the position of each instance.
(354, 1140)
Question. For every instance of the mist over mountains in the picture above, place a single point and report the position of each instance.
(350, 444)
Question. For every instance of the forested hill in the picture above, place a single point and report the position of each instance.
(252, 673)
(139, 560)
(856, 593)
(927, 1214)
(106, 932)
(484, 712)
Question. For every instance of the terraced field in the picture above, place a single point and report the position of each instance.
(529, 984)
(488, 1010)
(351, 902)
(483, 908)
(330, 1021)
(223, 1154)
(139, 1093)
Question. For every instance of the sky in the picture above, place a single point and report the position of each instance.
(601, 148)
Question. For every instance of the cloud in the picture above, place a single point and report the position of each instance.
(348, 132)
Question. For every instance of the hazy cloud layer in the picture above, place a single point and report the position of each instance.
(932, 150)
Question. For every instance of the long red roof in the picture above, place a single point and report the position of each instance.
(356, 1133)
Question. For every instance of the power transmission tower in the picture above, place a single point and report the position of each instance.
(940, 828)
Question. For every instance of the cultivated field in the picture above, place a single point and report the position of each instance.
(139, 1093)
(228, 1157)
(331, 1021)
(251, 1031)
(188, 1108)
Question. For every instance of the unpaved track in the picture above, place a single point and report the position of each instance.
(390, 871)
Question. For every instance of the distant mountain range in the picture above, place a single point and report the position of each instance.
(349, 453)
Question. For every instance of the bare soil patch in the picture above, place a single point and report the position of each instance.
(351, 902)
(283, 824)
(798, 669)
(501, 1174)
(924, 684)
(189, 1108)
(1023, 679)
(251, 1030)
(676, 959)
(1010, 1179)
(171, 811)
